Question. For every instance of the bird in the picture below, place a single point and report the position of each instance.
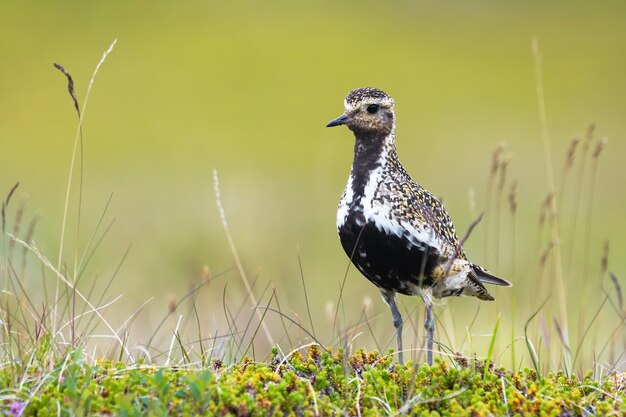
(395, 232)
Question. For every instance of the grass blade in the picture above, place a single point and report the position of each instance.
(491, 346)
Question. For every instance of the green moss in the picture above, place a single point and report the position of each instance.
(315, 383)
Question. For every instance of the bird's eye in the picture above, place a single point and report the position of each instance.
(373, 108)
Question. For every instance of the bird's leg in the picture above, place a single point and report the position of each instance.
(389, 297)
(429, 324)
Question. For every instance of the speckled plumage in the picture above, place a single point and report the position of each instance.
(396, 233)
(367, 94)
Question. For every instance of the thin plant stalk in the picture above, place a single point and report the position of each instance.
(491, 346)
(594, 171)
(554, 225)
(586, 144)
(513, 212)
(498, 216)
(77, 139)
(231, 244)
(306, 297)
(493, 172)
(513, 311)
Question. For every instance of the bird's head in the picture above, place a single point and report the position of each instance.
(368, 110)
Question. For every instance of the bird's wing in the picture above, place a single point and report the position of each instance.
(423, 207)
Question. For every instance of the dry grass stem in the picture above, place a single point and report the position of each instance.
(231, 244)
(70, 285)
(554, 224)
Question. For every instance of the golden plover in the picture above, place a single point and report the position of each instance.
(395, 232)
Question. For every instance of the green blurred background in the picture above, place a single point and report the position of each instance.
(246, 88)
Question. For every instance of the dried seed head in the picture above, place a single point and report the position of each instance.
(461, 360)
(8, 198)
(618, 289)
(545, 254)
(571, 151)
(495, 158)
(171, 303)
(17, 223)
(544, 208)
(604, 263)
(5, 203)
(503, 165)
(600, 147)
(513, 197)
(70, 87)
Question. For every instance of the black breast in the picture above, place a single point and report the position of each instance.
(389, 261)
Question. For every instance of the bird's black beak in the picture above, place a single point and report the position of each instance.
(341, 120)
